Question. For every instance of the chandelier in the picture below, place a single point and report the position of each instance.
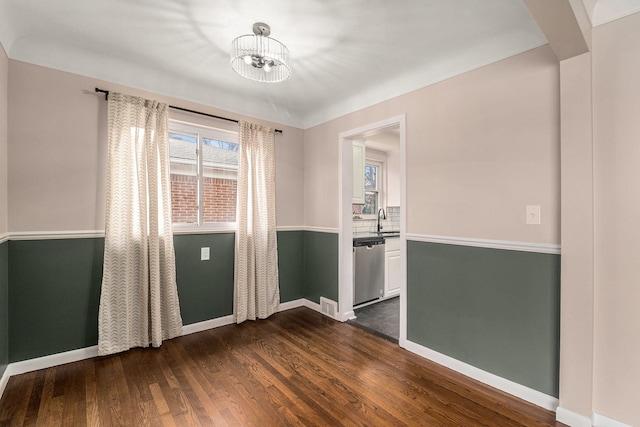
(259, 57)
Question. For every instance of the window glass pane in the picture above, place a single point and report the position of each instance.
(370, 203)
(204, 165)
(370, 177)
(219, 177)
(230, 146)
(184, 179)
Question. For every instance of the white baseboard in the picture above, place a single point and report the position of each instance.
(207, 324)
(508, 386)
(228, 320)
(303, 302)
(349, 315)
(4, 380)
(571, 418)
(602, 421)
(44, 362)
(313, 306)
(284, 306)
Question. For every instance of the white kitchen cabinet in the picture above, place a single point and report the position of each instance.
(392, 267)
(358, 172)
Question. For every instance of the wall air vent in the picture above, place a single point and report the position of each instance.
(329, 307)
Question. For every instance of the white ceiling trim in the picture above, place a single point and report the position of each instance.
(604, 11)
(127, 73)
(346, 56)
(404, 84)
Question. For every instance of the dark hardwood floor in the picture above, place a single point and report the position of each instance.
(296, 368)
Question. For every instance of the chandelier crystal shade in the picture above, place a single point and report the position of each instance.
(259, 57)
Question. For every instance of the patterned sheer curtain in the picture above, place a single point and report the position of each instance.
(139, 298)
(257, 292)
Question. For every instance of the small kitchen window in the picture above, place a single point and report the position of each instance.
(372, 187)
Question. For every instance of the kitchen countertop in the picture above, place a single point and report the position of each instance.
(368, 235)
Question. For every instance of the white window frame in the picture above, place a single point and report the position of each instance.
(187, 128)
(380, 184)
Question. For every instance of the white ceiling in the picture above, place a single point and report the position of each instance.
(385, 139)
(346, 55)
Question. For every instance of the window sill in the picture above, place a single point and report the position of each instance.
(220, 227)
(365, 217)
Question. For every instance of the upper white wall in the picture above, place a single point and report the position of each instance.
(485, 145)
(57, 146)
(616, 124)
(576, 323)
(480, 147)
(4, 208)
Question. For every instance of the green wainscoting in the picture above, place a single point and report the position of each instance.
(4, 306)
(291, 264)
(494, 309)
(54, 292)
(320, 266)
(53, 286)
(205, 288)
(497, 310)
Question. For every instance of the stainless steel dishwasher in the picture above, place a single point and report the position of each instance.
(368, 269)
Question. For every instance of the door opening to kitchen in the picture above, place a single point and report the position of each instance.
(372, 229)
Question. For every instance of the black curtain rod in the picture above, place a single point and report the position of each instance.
(106, 96)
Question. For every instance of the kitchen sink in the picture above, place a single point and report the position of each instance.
(388, 233)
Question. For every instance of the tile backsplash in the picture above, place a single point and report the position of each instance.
(392, 223)
(393, 214)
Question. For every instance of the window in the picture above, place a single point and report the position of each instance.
(372, 187)
(204, 170)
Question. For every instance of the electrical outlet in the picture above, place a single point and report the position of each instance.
(533, 214)
(204, 254)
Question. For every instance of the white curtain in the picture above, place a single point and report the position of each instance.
(139, 297)
(257, 292)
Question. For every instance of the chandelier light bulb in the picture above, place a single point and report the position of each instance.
(247, 59)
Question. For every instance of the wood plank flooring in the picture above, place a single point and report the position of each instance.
(297, 368)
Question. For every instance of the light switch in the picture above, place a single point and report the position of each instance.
(533, 214)
(204, 254)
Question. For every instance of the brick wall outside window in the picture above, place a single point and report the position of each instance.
(183, 199)
(219, 199)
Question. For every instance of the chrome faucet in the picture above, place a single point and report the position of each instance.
(383, 216)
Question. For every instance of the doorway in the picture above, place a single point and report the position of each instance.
(385, 142)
